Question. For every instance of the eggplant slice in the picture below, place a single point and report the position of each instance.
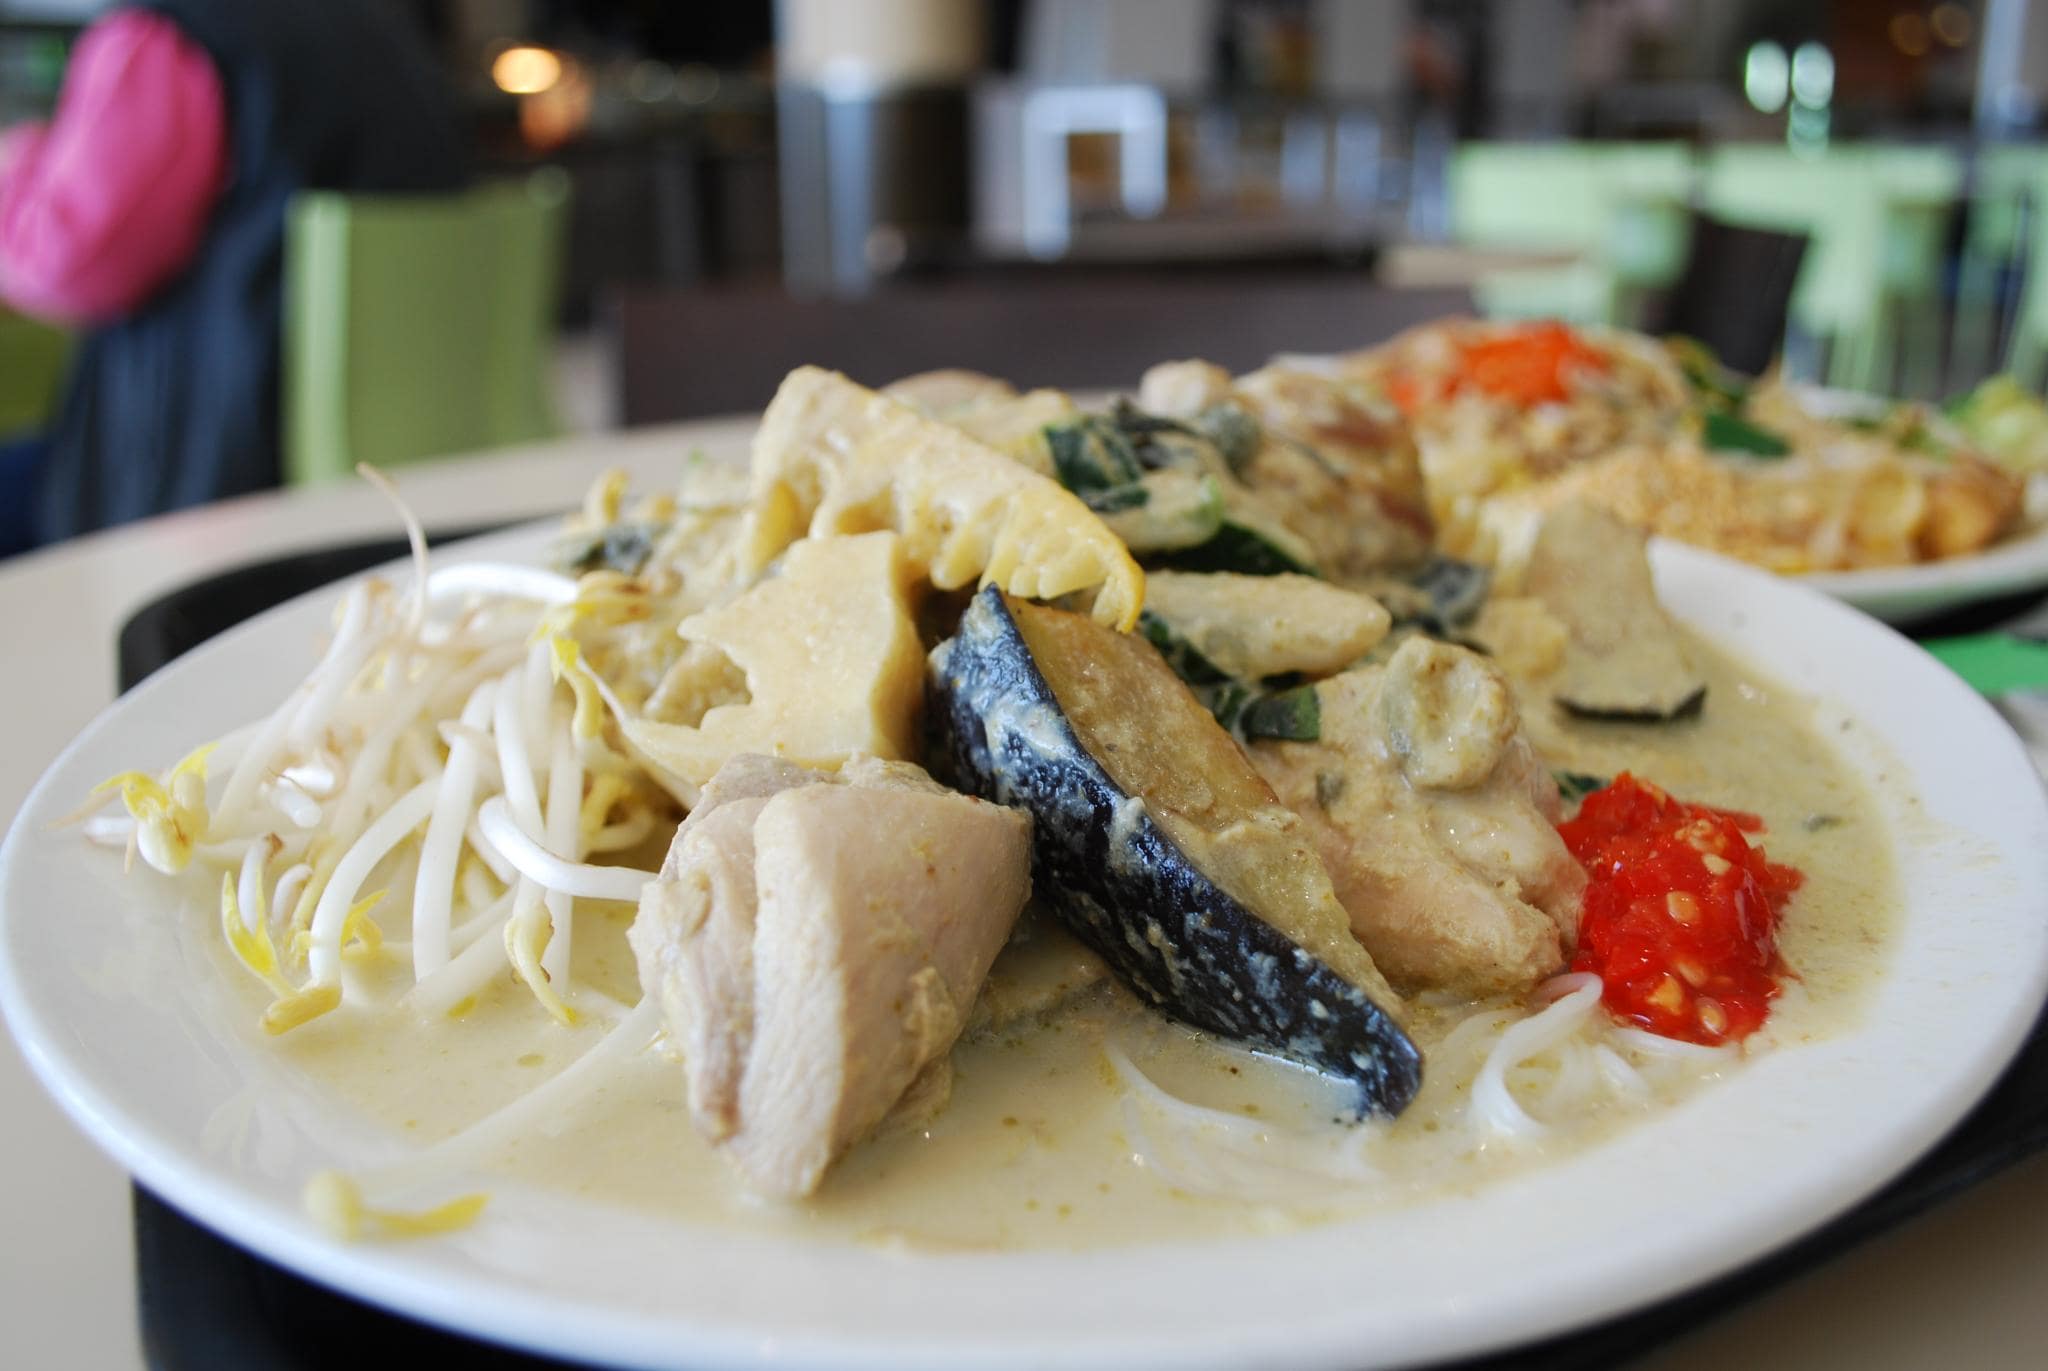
(1156, 842)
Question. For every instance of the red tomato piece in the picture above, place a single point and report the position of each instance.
(1681, 912)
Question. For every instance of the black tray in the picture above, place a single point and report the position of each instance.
(206, 1303)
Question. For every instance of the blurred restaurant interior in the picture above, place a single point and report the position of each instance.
(252, 249)
(1061, 192)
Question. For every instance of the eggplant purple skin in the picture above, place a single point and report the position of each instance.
(1168, 932)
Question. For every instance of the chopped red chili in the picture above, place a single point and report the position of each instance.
(1681, 912)
(1525, 365)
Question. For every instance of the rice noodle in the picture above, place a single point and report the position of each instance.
(1216, 1152)
(1656, 1045)
(543, 1109)
(1493, 1108)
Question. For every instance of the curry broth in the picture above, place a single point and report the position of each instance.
(1039, 1144)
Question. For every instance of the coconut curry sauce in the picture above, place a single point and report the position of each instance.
(1044, 1143)
(1761, 748)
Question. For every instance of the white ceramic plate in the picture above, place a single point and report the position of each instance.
(1902, 594)
(163, 1070)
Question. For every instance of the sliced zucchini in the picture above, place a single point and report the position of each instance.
(1294, 716)
(1142, 428)
(1163, 511)
(1091, 454)
(1117, 499)
(1156, 842)
(1101, 451)
(1726, 432)
(1219, 692)
(1719, 386)
(1456, 592)
(1573, 786)
(1249, 711)
(622, 547)
(1241, 643)
(1235, 431)
(1249, 541)
(1186, 660)
(1167, 488)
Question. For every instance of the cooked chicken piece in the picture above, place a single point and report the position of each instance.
(1434, 816)
(1447, 714)
(702, 905)
(1626, 658)
(816, 941)
(1338, 468)
(1350, 464)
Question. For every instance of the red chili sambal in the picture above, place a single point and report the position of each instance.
(1681, 912)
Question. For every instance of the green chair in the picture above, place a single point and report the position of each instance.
(32, 360)
(1648, 190)
(2007, 181)
(1621, 207)
(2026, 355)
(1874, 217)
(418, 326)
(1922, 189)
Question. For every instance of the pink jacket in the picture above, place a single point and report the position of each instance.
(109, 200)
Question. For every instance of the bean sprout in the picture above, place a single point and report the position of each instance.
(431, 768)
(550, 872)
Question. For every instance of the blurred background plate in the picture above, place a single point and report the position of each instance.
(1911, 594)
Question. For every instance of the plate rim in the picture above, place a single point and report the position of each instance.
(1903, 594)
